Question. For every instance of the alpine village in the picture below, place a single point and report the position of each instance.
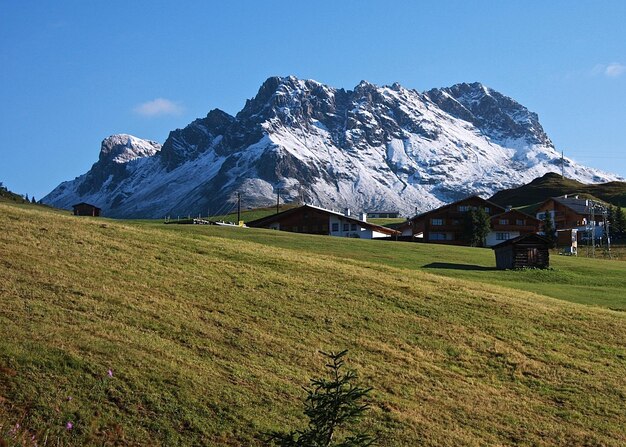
(215, 232)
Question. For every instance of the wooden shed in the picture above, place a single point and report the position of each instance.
(529, 250)
(86, 209)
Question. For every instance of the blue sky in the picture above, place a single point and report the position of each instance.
(74, 72)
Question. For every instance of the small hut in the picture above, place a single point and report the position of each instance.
(529, 250)
(86, 209)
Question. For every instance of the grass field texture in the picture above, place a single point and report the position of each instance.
(210, 333)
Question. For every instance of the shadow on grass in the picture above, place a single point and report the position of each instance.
(450, 266)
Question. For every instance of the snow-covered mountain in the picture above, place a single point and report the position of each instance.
(370, 148)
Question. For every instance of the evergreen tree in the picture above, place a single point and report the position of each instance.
(619, 221)
(26, 198)
(476, 227)
(331, 405)
(549, 230)
(32, 200)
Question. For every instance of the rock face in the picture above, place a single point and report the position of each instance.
(366, 149)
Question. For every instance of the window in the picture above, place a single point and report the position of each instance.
(456, 221)
(353, 227)
(519, 222)
(487, 210)
(464, 208)
(504, 221)
(335, 227)
(436, 221)
(346, 227)
(503, 236)
(437, 236)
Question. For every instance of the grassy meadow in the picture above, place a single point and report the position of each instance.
(139, 333)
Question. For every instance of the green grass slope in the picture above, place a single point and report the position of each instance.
(596, 282)
(210, 337)
(552, 185)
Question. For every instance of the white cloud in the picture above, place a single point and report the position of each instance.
(158, 107)
(612, 70)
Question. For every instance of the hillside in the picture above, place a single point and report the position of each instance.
(552, 185)
(210, 333)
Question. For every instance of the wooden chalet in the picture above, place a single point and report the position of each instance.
(86, 209)
(509, 225)
(315, 220)
(529, 250)
(569, 212)
(445, 225)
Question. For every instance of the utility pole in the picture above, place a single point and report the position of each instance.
(277, 200)
(607, 229)
(238, 207)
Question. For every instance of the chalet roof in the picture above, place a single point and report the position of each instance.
(269, 219)
(85, 203)
(579, 206)
(449, 205)
(514, 211)
(531, 237)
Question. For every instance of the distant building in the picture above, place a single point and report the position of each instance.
(569, 212)
(445, 225)
(529, 250)
(509, 225)
(86, 209)
(314, 220)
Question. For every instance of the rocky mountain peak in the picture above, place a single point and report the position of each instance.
(497, 115)
(122, 148)
(367, 148)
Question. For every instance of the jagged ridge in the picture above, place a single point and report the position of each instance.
(367, 148)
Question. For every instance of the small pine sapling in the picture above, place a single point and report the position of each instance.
(332, 405)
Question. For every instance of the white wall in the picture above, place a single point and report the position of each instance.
(362, 233)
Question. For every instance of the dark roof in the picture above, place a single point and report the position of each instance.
(268, 219)
(522, 238)
(579, 206)
(491, 204)
(514, 211)
(85, 203)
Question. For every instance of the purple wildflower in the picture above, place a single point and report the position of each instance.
(110, 373)
(69, 426)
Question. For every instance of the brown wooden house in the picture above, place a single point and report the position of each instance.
(571, 212)
(509, 225)
(86, 209)
(529, 250)
(315, 220)
(566, 212)
(445, 225)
